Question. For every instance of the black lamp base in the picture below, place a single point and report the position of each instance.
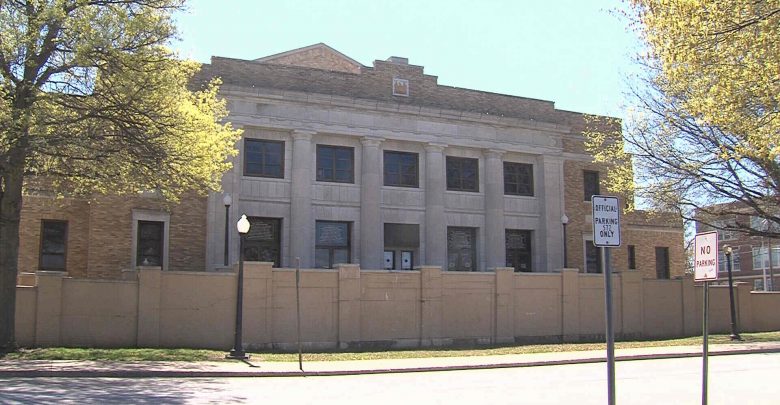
(237, 355)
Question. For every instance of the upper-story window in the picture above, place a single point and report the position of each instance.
(462, 174)
(336, 164)
(263, 158)
(518, 179)
(401, 169)
(54, 235)
(590, 184)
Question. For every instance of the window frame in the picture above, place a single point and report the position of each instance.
(459, 162)
(515, 253)
(277, 241)
(400, 182)
(516, 167)
(335, 148)
(663, 272)
(161, 241)
(589, 245)
(332, 248)
(631, 253)
(64, 243)
(596, 185)
(474, 245)
(263, 173)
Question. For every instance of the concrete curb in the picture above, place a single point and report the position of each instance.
(167, 373)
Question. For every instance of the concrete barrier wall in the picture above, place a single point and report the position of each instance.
(353, 308)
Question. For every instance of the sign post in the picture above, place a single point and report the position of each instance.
(705, 269)
(606, 234)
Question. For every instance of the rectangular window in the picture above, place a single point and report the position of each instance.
(54, 242)
(592, 258)
(590, 184)
(332, 244)
(335, 164)
(662, 263)
(150, 243)
(631, 257)
(462, 174)
(263, 158)
(461, 249)
(518, 250)
(761, 258)
(736, 261)
(518, 179)
(263, 242)
(401, 169)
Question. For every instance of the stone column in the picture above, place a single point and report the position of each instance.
(370, 200)
(301, 223)
(435, 221)
(551, 207)
(349, 305)
(495, 248)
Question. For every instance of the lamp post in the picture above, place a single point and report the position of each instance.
(565, 221)
(238, 346)
(227, 200)
(734, 333)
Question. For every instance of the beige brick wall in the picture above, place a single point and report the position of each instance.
(317, 58)
(37, 209)
(637, 228)
(100, 232)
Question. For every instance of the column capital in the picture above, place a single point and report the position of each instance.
(494, 153)
(303, 134)
(371, 141)
(435, 147)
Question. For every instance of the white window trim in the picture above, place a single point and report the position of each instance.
(149, 215)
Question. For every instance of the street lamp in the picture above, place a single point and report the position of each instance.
(238, 346)
(734, 334)
(227, 200)
(565, 221)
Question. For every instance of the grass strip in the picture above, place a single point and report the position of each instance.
(141, 354)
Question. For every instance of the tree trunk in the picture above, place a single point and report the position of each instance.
(10, 210)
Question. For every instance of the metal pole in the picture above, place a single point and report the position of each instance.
(771, 269)
(610, 327)
(734, 333)
(565, 256)
(705, 348)
(298, 308)
(227, 239)
(238, 346)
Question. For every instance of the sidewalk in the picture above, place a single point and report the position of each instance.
(258, 368)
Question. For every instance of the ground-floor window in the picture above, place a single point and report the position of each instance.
(461, 249)
(150, 243)
(263, 243)
(662, 262)
(518, 250)
(401, 243)
(332, 244)
(54, 236)
(592, 258)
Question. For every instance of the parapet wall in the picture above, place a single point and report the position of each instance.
(350, 307)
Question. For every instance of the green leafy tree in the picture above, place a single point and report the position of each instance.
(705, 136)
(92, 101)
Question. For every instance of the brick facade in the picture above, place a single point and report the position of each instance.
(100, 232)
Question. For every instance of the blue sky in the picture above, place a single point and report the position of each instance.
(575, 53)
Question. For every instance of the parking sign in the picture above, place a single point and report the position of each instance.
(606, 221)
(705, 258)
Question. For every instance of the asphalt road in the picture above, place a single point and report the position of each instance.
(738, 379)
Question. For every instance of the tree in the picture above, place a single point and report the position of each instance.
(705, 139)
(92, 101)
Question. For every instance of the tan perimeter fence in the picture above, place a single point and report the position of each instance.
(348, 307)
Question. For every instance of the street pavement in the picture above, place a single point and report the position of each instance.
(734, 379)
(256, 367)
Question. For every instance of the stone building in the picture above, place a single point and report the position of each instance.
(378, 165)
